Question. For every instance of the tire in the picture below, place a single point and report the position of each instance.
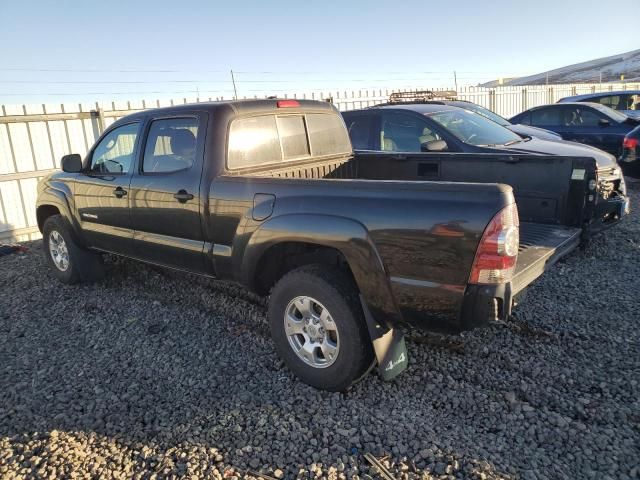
(334, 304)
(69, 262)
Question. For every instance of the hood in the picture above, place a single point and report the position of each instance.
(563, 147)
(527, 131)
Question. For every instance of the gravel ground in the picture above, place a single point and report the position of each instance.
(155, 373)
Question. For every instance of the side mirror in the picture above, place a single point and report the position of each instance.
(71, 163)
(603, 122)
(434, 146)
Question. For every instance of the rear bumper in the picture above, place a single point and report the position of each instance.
(485, 303)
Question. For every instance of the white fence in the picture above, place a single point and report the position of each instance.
(33, 138)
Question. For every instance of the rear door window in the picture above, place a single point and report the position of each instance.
(524, 119)
(171, 145)
(551, 117)
(617, 102)
(359, 128)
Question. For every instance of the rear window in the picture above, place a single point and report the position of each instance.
(272, 139)
(293, 136)
(328, 134)
(254, 138)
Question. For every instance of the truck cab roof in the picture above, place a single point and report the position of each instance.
(236, 107)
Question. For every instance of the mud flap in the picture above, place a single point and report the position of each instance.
(388, 345)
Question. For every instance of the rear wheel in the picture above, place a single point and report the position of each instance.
(69, 262)
(318, 327)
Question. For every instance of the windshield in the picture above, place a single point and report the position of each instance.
(473, 128)
(485, 112)
(610, 112)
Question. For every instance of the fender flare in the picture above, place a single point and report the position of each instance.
(58, 198)
(349, 237)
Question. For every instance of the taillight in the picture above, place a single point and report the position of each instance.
(288, 103)
(497, 253)
(631, 143)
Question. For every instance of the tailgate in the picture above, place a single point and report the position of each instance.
(540, 247)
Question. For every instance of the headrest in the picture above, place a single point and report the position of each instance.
(183, 142)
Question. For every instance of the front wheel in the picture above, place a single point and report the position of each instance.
(69, 262)
(318, 327)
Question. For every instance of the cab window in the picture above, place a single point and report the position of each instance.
(272, 139)
(171, 145)
(114, 153)
(327, 134)
(253, 141)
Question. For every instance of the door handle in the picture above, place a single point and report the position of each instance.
(183, 196)
(119, 192)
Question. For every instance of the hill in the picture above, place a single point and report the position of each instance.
(627, 64)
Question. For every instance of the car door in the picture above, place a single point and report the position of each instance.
(585, 124)
(101, 190)
(166, 204)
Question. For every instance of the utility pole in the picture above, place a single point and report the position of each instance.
(235, 91)
(547, 78)
(600, 77)
(455, 80)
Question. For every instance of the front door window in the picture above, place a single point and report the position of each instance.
(114, 154)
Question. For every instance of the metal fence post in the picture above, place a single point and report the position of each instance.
(524, 99)
(492, 100)
(97, 122)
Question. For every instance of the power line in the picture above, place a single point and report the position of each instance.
(258, 72)
(99, 70)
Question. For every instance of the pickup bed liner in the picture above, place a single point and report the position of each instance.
(541, 245)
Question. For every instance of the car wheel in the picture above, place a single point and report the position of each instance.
(318, 327)
(69, 262)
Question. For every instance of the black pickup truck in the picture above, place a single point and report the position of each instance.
(349, 249)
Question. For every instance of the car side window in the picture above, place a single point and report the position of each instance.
(114, 153)
(546, 117)
(359, 128)
(617, 102)
(405, 133)
(525, 119)
(171, 145)
(581, 117)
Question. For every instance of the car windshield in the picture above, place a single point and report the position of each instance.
(474, 129)
(610, 112)
(485, 112)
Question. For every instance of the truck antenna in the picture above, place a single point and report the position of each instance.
(235, 91)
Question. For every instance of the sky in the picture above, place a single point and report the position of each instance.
(72, 50)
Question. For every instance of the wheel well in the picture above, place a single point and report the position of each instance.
(280, 259)
(44, 212)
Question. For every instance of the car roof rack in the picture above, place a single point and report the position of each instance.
(417, 96)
